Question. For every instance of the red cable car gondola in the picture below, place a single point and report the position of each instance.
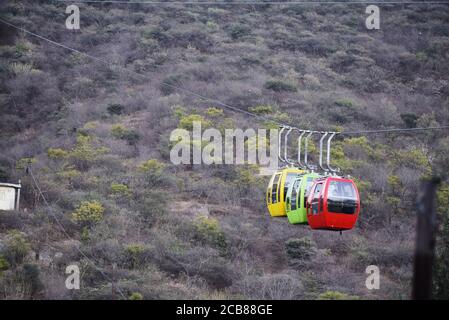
(333, 204)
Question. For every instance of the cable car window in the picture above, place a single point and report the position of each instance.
(288, 179)
(317, 191)
(342, 197)
(295, 194)
(315, 199)
(309, 184)
(274, 188)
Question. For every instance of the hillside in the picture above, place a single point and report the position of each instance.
(97, 137)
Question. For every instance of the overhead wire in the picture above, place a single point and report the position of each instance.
(251, 2)
(394, 130)
(85, 256)
(203, 97)
(37, 187)
(164, 83)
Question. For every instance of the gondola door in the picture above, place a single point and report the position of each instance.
(315, 205)
(275, 206)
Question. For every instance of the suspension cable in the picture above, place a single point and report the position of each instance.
(250, 2)
(50, 209)
(109, 65)
(215, 101)
(394, 130)
(225, 105)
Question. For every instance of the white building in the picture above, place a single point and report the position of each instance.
(9, 196)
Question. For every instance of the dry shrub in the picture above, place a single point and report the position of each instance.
(271, 287)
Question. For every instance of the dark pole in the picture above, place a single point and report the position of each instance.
(113, 281)
(425, 240)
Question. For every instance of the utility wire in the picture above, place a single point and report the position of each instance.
(49, 40)
(50, 209)
(252, 2)
(225, 105)
(394, 130)
(108, 64)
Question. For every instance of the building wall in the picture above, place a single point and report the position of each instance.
(7, 198)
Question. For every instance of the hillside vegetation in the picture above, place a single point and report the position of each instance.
(98, 141)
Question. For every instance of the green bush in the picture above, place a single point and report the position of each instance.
(118, 131)
(214, 112)
(90, 125)
(152, 172)
(212, 26)
(120, 189)
(134, 254)
(179, 111)
(57, 153)
(208, 231)
(216, 12)
(22, 48)
(84, 153)
(85, 235)
(186, 122)
(136, 296)
(16, 248)
(4, 265)
(346, 103)
(413, 158)
(342, 111)
(21, 164)
(300, 249)
(443, 199)
(280, 86)
(69, 173)
(88, 212)
(335, 295)
(246, 176)
(152, 166)
(261, 109)
(153, 205)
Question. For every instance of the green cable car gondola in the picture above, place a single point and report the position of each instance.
(297, 197)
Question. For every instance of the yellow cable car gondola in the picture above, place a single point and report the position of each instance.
(277, 190)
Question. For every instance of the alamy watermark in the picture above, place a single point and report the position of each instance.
(373, 280)
(72, 282)
(73, 20)
(236, 146)
(372, 22)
